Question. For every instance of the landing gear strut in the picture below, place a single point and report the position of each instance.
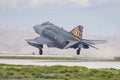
(78, 51)
(40, 51)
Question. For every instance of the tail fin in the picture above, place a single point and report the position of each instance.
(77, 31)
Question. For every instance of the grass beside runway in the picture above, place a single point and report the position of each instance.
(39, 57)
(18, 72)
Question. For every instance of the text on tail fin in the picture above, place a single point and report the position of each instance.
(77, 31)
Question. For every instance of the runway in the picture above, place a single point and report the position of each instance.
(91, 64)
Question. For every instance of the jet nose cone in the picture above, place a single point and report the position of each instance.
(34, 27)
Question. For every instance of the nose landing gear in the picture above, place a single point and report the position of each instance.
(78, 51)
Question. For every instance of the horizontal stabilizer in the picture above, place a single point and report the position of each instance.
(94, 42)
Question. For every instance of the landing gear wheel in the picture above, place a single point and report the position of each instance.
(78, 51)
(40, 51)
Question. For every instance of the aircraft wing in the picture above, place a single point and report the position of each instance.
(94, 42)
(85, 41)
(71, 43)
(41, 40)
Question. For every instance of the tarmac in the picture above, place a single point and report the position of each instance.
(90, 64)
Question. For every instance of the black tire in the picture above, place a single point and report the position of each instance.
(78, 51)
(40, 51)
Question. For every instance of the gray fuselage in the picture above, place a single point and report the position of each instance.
(54, 33)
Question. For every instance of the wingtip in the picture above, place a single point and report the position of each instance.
(106, 41)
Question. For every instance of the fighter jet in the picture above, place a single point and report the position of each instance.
(54, 36)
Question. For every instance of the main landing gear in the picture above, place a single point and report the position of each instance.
(78, 51)
(40, 51)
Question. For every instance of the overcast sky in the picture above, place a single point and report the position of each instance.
(99, 17)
